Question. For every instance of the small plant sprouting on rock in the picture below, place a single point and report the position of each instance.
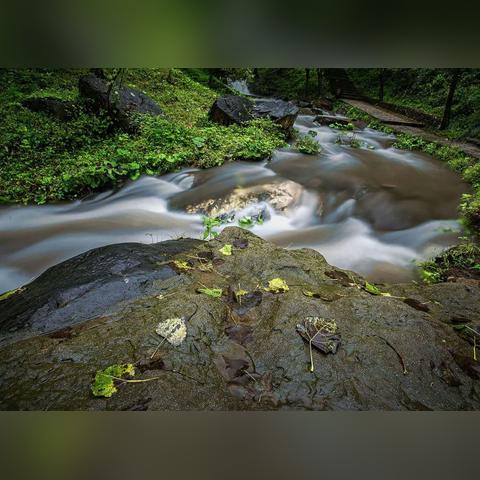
(469, 331)
(429, 276)
(352, 141)
(209, 223)
(239, 294)
(277, 285)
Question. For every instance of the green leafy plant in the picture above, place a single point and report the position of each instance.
(307, 144)
(464, 257)
(470, 210)
(342, 126)
(210, 223)
(374, 290)
(103, 384)
(430, 276)
(246, 222)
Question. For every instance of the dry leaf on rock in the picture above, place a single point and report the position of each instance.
(173, 330)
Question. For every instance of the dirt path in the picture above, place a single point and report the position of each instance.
(401, 123)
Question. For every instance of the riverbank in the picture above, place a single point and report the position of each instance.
(45, 159)
(399, 123)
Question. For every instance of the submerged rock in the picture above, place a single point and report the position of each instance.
(123, 102)
(231, 109)
(280, 195)
(80, 317)
(329, 119)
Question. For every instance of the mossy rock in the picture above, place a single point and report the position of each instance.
(235, 356)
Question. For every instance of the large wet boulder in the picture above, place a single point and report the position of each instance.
(120, 101)
(231, 109)
(244, 351)
(103, 279)
(55, 107)
(329, 119)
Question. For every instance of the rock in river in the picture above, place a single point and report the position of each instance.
(280, 195)
(103, 307)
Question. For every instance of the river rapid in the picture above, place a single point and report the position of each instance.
(374, 209)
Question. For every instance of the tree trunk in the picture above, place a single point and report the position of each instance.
(307, 81)
(448, 105)
(98, 72)
(382, 84)
(319, 81)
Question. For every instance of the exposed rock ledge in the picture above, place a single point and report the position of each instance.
(102, 308)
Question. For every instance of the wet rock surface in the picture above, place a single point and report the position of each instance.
(82, 316)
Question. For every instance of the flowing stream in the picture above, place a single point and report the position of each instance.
(373, 209)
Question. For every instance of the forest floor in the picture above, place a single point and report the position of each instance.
(387, 116)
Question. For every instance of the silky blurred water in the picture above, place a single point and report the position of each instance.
(373, 209)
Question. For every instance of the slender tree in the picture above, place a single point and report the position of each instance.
(455, 75)
(381, 78)
(319, 81)
(307, 81)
